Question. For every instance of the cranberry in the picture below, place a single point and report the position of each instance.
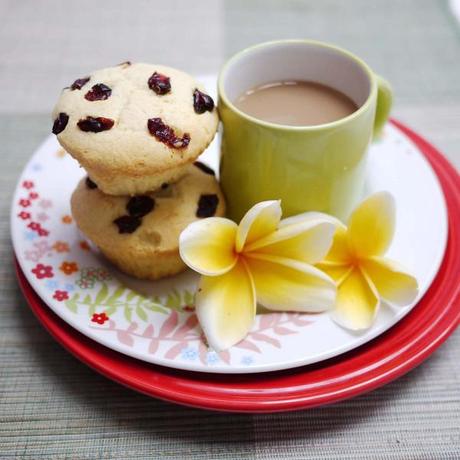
(127, 224)
(205, 168)
(60, 123)
(165, 134)
(164, 185)
(159, 83)
(207, 205)
(90, 184)
(95, 125)
(139, 206)
(79, 83)
(180, 143)
(99, 92)
(202, 102)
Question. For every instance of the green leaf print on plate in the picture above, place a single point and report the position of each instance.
(123, 298)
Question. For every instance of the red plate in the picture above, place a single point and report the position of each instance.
(372, 365)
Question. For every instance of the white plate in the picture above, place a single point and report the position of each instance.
(154, 321)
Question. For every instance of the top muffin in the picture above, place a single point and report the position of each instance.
(134, 127)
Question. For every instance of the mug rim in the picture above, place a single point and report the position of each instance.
(370, 74)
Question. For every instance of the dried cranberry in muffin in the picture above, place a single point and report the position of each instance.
(79, 83)
(202, 102)
(205, 168)
(90, 184)
(95, 125)
(159, 83)
(60, 123)
(99, 92)
(207, 205)
(165, 134)
(127, 224)
(140, 205)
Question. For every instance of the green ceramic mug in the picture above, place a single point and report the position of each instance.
(310, 168)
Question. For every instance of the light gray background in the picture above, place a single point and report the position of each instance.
(54, 407)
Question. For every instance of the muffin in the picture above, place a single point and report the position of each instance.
(135, 127)
(140, 233)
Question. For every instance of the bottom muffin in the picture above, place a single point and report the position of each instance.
(140, 234)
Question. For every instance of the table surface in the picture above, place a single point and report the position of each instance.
(54, 407)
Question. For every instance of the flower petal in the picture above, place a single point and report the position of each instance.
(340, 249)
(226, 306)
(207, 246)
(391, 280)
(357, 302)
(337, 272)
(308, 215)
(372, 225)
(289, 285)
(262, 219)
(308, 240)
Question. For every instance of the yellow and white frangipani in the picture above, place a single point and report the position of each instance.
(355, 261)
(262, 260)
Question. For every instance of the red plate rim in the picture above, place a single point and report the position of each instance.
(370, 366)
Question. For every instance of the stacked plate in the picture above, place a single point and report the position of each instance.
(145, 334)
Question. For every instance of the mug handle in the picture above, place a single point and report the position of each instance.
(384, 103)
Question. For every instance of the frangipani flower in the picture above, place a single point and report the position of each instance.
(362, 275)
(263, 259)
